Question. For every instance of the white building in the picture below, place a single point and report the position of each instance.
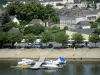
(14, 19)
(45, 2)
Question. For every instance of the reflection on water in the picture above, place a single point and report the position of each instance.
(49, 72)
(69, 69)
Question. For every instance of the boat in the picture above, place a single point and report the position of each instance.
(26, 61)
(60, 60)
(52, 66)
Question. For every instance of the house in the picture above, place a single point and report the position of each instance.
(72, 17)
(14, 19)
(36, 21)
(45, 2)
(14, 30)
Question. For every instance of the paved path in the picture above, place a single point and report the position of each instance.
(50, 53)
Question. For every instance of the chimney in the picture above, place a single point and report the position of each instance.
(80, 12)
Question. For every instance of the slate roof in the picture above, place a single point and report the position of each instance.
(35, 21)
(66, 18)
(76, 11)
(83, 23)
(83, 31)
(14, 30)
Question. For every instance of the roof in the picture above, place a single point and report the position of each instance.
(90, 12)
(12, 17)
(14, 30)
(83, 31)
(66, 18)
(35, 21)
(84, 23)
(76, 11)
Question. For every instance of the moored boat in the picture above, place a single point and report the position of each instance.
(26, 61)
(60, 60)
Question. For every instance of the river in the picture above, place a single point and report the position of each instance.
(71, 68)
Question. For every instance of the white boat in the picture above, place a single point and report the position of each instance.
(26, 61)
(50, 66)
(60, 60)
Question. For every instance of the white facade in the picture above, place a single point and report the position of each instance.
(14, 19)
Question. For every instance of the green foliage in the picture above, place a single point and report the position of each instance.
(2, 35)
(98, 20)
(9, 25)
(77, 37)
(61, 37)
(59, 4)
(94, 38)
(94, 0)
(14, 36)
(32, 10)
(30, 37)
(97, 31)
(94, 24)
(65, 28)
(46, 37)
(15, 8)
(35, 29)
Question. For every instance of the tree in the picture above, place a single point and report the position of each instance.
(30, 37)
(6, 27)
(65, 28)
(94, 24)
(32, 10)
(14, 8)
(35, 29)
(94, 38)
(2, 38)
(97, 31)
(98, 20)
(46, 37)
(61, 37)
(13, 37)
(77, 37)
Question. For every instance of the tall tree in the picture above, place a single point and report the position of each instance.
(33, 10)
(94, 38)
(30, 37)
(2, 38)
(46, 37)
(35, 29)
(61, 37)
(77, 37)
(9, 25)
(13, 37)
(97, 31)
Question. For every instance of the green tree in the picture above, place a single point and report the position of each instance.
(94, 38)
(61, 37)
(98, 20)
(77, 37)
(97, 31)
(2, 38)
(13, 37)
(65, 28)
(46, 37)
(9, 25)
(14, 8)
(94, 24)
(35, 29)
(32, 10)
(30, 37)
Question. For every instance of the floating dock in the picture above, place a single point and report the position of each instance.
(38, 64)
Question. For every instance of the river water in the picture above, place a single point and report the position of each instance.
(70, 69)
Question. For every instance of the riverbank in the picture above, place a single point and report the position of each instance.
(79, 54)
